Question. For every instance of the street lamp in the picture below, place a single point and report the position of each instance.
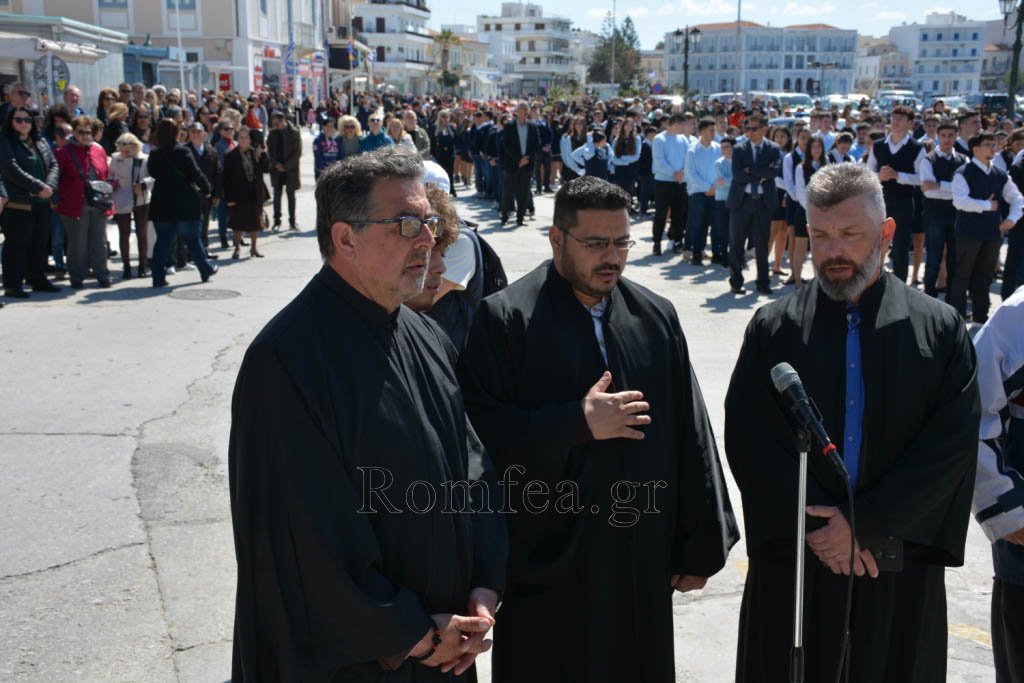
(821, 66)
(690, 36)
(1009, 7)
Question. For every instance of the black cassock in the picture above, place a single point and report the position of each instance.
(917, 462)
(588, 594)
(334, 384)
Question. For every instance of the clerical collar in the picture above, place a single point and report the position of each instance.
(379, 321)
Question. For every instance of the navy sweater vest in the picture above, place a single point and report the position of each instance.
(985, 225)
(902, 162)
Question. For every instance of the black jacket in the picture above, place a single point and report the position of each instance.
(174, 171)
(510, 145)
(209, 164)
(17, 164)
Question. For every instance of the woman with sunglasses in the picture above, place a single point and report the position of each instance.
(129, 169)
(83, 211)
(141, 126)
(351, 134)
(244, 190)
(376, 137)
(107, 98)
(30, 177)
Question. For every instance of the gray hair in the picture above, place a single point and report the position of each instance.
(835, 183)
(344, 191)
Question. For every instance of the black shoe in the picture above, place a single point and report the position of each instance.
(16, 294)
(224, 243)
(520, 224)
(77, 285)
(45, 287)
(277, 226)
(767, 291)
(206, 278)
(143, 271)
(126, 274)
(104, 284)
(293, 227)
(160, 285)
(243, 243)
(677, 247)
(532, 213)
(697, 262)
(737, 290)
(212, 257)
(504, 220)
(657, 248)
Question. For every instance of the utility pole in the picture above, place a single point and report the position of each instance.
(181, 50)
(614, 40)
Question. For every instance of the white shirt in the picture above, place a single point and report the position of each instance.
(789, 180)
(927, 175)
(894, 147)
(1000, 349)
(801, 184)
(963, 202)
(597, 316)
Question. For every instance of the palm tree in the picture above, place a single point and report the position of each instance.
(446, 40)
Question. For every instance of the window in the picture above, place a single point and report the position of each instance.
(519, 47)
(954, 52)
(519, 27)
(967, 86)
(540, 27)
(786, 83)
(263, 6)
(935, 86)
(487, 27)
(533, 46)
(770, 85)
(956, 85)
(799, 64)
(536, 60)
(185, 4)
(103, 4)
(753, 84)
(974, 36)
(497, 27)
(924, 52)
(974, 52)
(787, 62)
(924, 37)
(938, 36)
(956, 36)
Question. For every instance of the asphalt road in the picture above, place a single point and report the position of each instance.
(116, 553)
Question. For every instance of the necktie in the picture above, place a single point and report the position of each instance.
(755, 188)
(853, 424)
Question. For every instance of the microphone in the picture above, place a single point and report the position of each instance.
(787, 382)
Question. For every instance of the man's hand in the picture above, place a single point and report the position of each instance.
(887, 173)
(45, 193)
(710, 193)
(456, 632)
(279, 167)
(678, 176)
(483, 602)
(546, 148)
(1017, 537)
(1005, 226)
(524, 161)
(612, 416)
(494, 162)
(831, 544)
(685, 583)
(993, 205)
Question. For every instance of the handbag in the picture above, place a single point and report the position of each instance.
(98, 193)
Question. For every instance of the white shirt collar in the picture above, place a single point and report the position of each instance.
(983, 167)
(902, 141)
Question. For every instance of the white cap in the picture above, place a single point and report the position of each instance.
(460, 261)
(433, 173)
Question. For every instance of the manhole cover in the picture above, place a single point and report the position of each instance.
(204, 294)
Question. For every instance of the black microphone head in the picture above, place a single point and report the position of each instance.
(784, 376)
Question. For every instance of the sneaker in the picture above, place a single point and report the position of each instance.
(170, 270)
(188, 266)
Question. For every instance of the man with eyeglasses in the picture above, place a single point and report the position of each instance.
(579, 383)
(752, 200)
(361, 503)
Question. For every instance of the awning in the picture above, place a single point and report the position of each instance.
(20, 46)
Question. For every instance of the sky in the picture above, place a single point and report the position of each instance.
(656, 17)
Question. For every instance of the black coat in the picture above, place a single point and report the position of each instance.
(111, 132)
(763, 171)
(17, 164)
(174, 170)
(209, 164)
(247, 195)
(510, 145)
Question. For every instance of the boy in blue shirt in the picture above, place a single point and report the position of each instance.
(720, 228)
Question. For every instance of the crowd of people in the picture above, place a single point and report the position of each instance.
(674, 159)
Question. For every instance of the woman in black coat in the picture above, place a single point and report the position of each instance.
(244, 189)
(444, 140)
(30, 176)
(175, 206)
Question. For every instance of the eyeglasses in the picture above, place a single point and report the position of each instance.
(84, 132)
(22, 119)
(348, 126)
(409, 226)
(751, 127)
(126, 92)
(599, 244)
(24, 93)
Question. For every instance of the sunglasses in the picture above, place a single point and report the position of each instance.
(24, 93)
(374, 120)
(108, 97)
(84, 132)
(22, 119)
(349, 126)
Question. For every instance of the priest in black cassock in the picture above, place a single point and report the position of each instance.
(893, 374)
(579, 384)
(352, 464)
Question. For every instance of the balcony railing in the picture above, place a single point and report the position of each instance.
(414, 4)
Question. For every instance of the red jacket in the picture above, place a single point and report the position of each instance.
(71, 188)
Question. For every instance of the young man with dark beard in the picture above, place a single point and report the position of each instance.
(893, 372)
(579, 383)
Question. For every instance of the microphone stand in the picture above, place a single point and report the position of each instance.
(796, 662)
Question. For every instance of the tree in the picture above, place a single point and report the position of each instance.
(446, 40)
(627, 53)
(660, 46)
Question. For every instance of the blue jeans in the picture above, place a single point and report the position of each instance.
(189, 233)
(699, 217)
(939, 218)
(222, 219)
(481, 174)
(58, 237)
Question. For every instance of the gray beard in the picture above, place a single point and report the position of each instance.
(855, 286)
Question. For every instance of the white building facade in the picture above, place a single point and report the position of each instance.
(945, 53)
(790, 58)
(541, 46)
(396, 32)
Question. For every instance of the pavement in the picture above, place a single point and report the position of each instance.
(116, 551)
